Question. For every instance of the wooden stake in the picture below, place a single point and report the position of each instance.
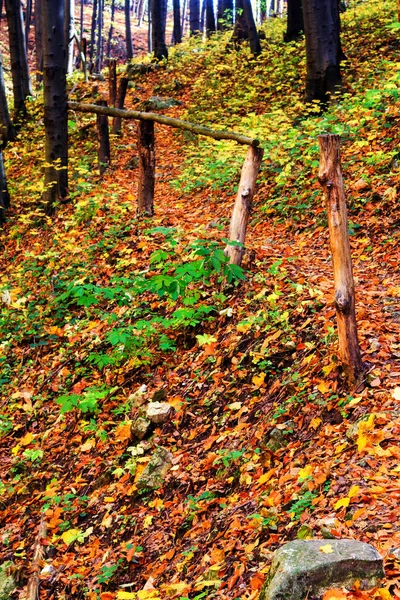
(112, 80)
(104, 140)
(330, 177)
(32, 590)
(122, 89)
(147, 167)
(241, 210)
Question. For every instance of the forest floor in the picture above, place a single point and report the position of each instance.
(268, 445)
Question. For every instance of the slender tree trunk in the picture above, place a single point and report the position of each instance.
(322, 30)
(23, 48)
(55, 104)
(158, 20)
(242, 208)
(295, 22)
(100, 47)
(194, 9)
(147, 165)
(112, 81)
(240, 32)
(122, 89)
(142, 10)
(128, 32)
(210, 17)
(254, 40)
(69, 34)
(28, 18)
(330, 177)
(92, 52)
(81, 21)
(177, 32)
(38, 41)
(7, 130)
(111, 30)
(17, 54)
(4, 195)
(203, 4)
(103, 137)
(184, 12)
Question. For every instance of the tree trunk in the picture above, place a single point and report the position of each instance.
(103, 137)
(4, 195)
(112, 80)
(28, 18)
(92, 53)
(322, 30)
(330, 177)
(111, 30)
(295, 22)
(128, 33)
(210, 18)
(19, 62)
(254, 40)
(184, 11)
(240, 32)
(69, 34)
(81, 22)
(194, 9)
(122, 89)
(158, 20)
(38, 41)
(241, 210)
(224, 14)
(100, 47)
(7, 130)
(177, 31)
(55, 104)
(147, 166)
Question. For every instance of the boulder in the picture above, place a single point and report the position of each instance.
(156, 469)
(7, 583)
(140, 427)
(158, 412)
(306, 568)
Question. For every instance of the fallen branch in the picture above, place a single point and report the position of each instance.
(32, 590)
(163, 120)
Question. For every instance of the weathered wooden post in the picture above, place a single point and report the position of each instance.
(244, 198)
(103, 137)
(330, 177)
(122, 89)
(112, 81)
(147, 168)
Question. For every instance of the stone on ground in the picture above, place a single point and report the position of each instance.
(158, 412)
(154, 474)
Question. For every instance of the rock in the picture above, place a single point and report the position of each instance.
(159, 103)
(140, 427)
(159, 412)
(302, 569)
(7, 583)
(154, 474)
(139, 397)
(361, 185)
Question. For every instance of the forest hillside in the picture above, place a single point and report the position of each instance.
(104, 312)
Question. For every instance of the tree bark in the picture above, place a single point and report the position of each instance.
(4, 195)
(177, 32)
(224, 14)
(111, 30)
(122, 89)
(178, 123)
(18, 56)
(93, 33)
(128, 32)
(147, 166)
(184, 11)
(295, 22)
(103, 137)
(322, 30)
(330, 177)
(38, 41)
(210, 18)
(254, 40)
(100, 45)
(55, 104)
(241, 210)
(69, 34)
(194, 10)
(7, 131)
(28, 19)
(158, 11)
(112, 81)
(240, 32)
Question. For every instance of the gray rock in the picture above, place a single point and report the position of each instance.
(140, 427)
(159, 412)
(154, 474)
(159, 103)
(301, 569)
(7, 583)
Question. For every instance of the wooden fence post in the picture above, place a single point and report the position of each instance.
(104, 139)
(122, 89)
(330, 177)
(147, 168)
(112, 81)
(241, 210)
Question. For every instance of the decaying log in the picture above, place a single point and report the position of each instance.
(103, 137)
(330, 177)
(241, 210)
(32, 590)
(172, 122)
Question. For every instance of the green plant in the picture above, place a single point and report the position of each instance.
(304, 502)
(87, 402)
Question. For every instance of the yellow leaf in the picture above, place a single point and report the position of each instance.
(109, 500)
(91, 443)
(266, 477)
(326, 549)
(384, 594)
(147, 521)
(126, 595)
(306, 472)
(324, 387)
(343, 502)
(26, 440)
(70, 536)
(258, 380)
(353, 491)
(362, 442)
(147, 594)
(315, 422)
(235, 405)
(396, 395)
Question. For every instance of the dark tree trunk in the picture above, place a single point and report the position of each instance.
(122, 89)
(322, 30)
(202, 14)
(100, 47)
(7, 130)
(158, 10)
(103, 139)
(194, 9)
(55, 104)
(254, 40)
(177, 32)
(184, 11)
(111, 30)
(69, 25)
(224, 14)
(147, 165)
(112, 80)
(128, 32)
(18, 56)
(93, 32)
(38, 40)
(295, 22)
(28, 18)
(240, 32)
(210, 17)
(4, 195)
(81, 21)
